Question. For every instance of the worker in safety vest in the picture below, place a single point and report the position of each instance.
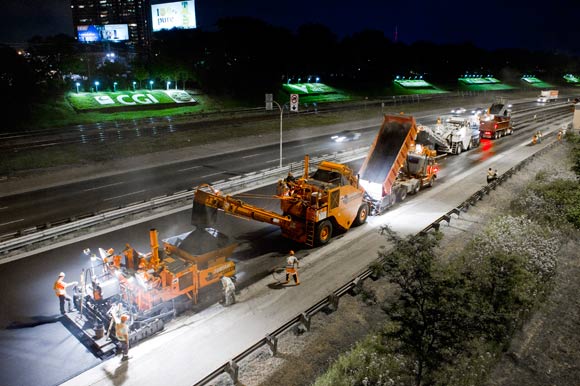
(122, 333)
(560, 134)
(491, 175)
(229, 290)
(292, 266)
(60, 290)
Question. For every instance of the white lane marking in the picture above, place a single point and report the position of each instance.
(4, 207)
(191, 168)
(252, 155)
(11, 222)
(274, 160)
(105, 186)
(124, 195)
(209, 175)
(322, 148)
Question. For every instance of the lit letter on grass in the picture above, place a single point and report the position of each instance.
(121, 99)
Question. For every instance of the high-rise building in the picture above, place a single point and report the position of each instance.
(133, 13)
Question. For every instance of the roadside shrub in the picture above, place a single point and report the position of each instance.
(372, 361)
(550, 202)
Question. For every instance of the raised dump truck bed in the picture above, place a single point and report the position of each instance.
(386, 174)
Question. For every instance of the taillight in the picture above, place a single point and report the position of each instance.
(495, 126)
(488, 133)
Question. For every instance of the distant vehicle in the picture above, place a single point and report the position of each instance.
(548, 96)
(346, 136)
(459, 110)
(478, 111)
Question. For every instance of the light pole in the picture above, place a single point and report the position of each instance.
(97, 86)
(151, 84)
(78, 85)
(114, 86)
(134, 84)
(281, 116)
(168, 83)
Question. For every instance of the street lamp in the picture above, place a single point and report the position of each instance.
(114, 86)
(168, 83)
(151, 84)
(78, 85)
(134, 84)
(97, 86)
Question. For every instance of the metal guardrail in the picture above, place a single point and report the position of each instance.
(330, 302)
(28, 237)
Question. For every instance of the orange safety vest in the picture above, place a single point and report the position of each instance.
(59, 287)
(121, 330)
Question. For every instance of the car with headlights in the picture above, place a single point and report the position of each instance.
(345, 136)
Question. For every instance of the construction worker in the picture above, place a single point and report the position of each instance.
(60, 290)
(560, 134)
(491, 175)
(534, 139)
(292, 265)
(122, 333)
(229, 291)
(539, 136)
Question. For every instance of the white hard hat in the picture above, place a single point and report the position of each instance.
(61, 274)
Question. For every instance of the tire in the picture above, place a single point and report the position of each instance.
(417, 188)
(323, 232)
(402, 194)
(459, 149)
(362, 215)
(430, 183)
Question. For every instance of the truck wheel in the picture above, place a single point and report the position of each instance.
(402, 194)
(431, 180)
(459, 149)
(323, 232)
(361, 216)
(496, 135)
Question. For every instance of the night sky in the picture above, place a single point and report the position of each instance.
(532, 24)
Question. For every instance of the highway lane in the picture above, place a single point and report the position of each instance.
(29, 307)
(43, 206)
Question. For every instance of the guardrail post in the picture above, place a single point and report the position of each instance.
(232, 369)
(436, 226)
(272, 343)
(304, 323)
(456, 211)
(332, 303)
(356, 287)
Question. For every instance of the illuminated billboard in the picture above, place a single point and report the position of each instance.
(179, 14)
(102, 33)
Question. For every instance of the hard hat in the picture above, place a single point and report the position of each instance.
(110, 251)
(61, 274)
(124, 317)
(291, 252)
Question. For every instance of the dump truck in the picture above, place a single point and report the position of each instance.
(395, 165)
(547, 96)
(452, 136)
(151, 288)
(496, 122)
(314, 206)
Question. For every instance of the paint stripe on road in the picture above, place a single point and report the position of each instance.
(252, 155)
(191, 168)
(4, 207)
(11, 222)
(124, 195)
(104, 186)
(213, 174)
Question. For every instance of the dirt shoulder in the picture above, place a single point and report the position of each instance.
(545, 351)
